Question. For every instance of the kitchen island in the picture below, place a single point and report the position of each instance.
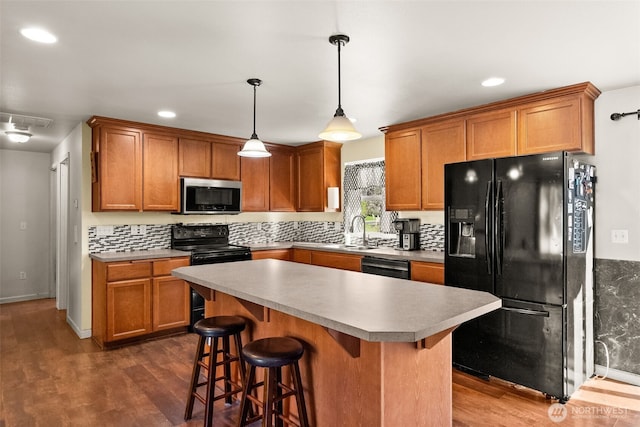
(377, 349)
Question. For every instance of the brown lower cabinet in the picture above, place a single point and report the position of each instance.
(429, 272)
(314, 257)
(136, 299)
(283, 254)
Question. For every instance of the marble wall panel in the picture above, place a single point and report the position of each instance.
(617, 322)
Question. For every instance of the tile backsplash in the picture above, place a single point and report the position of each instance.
(158, 236)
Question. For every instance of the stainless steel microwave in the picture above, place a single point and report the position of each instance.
(210, 196)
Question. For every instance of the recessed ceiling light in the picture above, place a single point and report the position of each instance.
(167, 114)
(38, 35)
(493, 81)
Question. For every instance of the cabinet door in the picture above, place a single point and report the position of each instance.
(442, 143)
(402, 164)
(194, 158)
(171, 303)
(160, 166)
(429, 272)
(550, 126)
(255, 184)
(119, 184)
(283, 254)
(491, 135)
(301, 255)
(225, 162)
(336, 260)
(128, 309)
(281, 180)
(309, 165)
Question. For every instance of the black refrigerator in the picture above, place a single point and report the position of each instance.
(521, 228)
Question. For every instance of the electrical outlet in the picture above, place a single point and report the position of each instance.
(104, 230)
(326, 226)
(23, 275)
(259, 226)
(336, 226)
(295, 225)
(142, 229)
(135, 230)
(619, 236)
(23, 225)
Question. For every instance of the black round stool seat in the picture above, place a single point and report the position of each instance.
(219, 326)
(272, 352)
(214, 337)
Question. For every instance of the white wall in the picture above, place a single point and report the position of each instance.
(77, 237)
(618, 167)
(24, 225)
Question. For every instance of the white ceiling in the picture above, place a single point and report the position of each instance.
(406, 60)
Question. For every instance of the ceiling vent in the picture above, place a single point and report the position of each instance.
(22, 122)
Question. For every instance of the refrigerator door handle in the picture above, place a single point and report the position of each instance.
(487, 229)
(527, 311)
(499, 228)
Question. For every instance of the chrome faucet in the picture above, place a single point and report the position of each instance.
(364, 228)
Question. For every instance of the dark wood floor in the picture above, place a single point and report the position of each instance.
(49, 377)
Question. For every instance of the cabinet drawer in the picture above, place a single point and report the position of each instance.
(163, 267)
(336, 260)
(283, 254)
(427, 272)
(128, 270)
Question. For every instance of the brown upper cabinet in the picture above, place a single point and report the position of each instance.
(160, 191)
(116, 166)
(491, 134)
(554, 125)
(209, 159)
(442, 143)
(225, 162)
(137, 167)
(403, 170)
(553, 120)
(318, 167)
(195, 158)
(255, 188)
(282, 179)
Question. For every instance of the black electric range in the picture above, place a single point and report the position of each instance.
(208, 244)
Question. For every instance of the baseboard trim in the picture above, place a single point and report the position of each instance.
(615, 374)
(20, 298)
(82, 333)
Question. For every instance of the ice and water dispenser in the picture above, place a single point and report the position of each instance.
(462, 237)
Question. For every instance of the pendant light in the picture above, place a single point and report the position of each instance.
(340, 127)
(254, 147)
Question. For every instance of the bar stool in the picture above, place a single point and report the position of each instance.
(210, 330)
(272, 354)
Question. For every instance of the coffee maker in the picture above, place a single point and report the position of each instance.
(408, 233)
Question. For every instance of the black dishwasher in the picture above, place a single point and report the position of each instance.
(398, 268)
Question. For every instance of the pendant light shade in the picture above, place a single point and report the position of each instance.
(254, 147)
(340, 127)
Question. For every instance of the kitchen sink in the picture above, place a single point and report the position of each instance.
(352, 247)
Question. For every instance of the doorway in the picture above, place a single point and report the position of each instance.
(61, 229)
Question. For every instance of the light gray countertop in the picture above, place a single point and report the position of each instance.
(370, 307)
(425, 256)
(138, 255)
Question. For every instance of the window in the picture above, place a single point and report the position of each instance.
(364, 194)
